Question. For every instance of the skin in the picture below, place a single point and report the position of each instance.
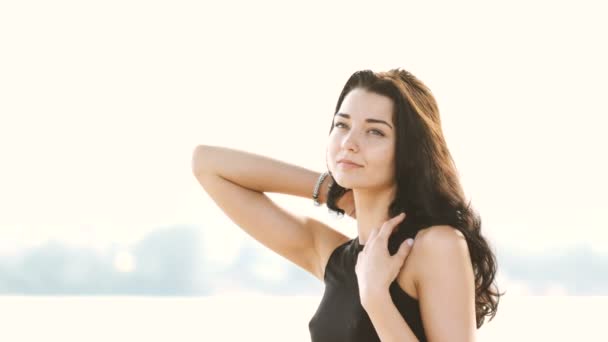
(373, 280)
(373, 185)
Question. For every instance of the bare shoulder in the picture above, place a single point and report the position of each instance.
(326, 240)
(427, 242)
(440, 234)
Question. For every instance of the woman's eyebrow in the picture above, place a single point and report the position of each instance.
(366, 120)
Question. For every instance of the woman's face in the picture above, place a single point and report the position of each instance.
(370, 144)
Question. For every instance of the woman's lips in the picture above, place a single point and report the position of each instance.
(348, 165)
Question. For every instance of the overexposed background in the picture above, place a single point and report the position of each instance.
(102, 103)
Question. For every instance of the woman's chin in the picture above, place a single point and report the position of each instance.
(341, 181)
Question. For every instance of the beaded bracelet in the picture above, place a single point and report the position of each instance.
(315, 193)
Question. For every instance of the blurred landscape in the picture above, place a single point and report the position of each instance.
(172, 262)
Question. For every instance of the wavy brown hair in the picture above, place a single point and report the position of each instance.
(428, 188)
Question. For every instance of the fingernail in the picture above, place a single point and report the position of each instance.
(410, 241)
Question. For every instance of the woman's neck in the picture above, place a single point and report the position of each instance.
(372, 209)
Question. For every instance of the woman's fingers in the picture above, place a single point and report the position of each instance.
(370, 238)
(385, 231)
(389, 226)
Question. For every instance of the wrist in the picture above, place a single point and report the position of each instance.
(323, 191)
(373, 300)
(319, 194)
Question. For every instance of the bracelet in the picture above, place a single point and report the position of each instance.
(315, 193)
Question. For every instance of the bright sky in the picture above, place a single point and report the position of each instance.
(102, 104)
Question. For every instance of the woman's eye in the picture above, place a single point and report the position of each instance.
(374, 130)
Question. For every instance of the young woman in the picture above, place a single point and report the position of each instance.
(386, 155)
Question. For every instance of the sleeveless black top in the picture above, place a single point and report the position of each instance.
(340, 316)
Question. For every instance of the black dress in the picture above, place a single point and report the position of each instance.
(340, 316)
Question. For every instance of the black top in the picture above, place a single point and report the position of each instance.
(340, 316)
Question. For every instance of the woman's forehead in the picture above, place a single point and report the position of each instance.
(360, 105)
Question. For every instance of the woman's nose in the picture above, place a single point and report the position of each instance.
(350, 142)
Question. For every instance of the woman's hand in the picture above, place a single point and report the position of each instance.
(347, 203)
(376, 269)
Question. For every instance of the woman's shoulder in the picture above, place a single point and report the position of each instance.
(426, 241)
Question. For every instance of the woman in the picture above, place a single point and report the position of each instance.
(386, 155)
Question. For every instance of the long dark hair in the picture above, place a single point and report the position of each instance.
(428, 188)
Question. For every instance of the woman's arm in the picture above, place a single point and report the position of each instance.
(257, 172)
(237, 181)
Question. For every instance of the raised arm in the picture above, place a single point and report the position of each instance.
(237, 180)
(257, 172)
